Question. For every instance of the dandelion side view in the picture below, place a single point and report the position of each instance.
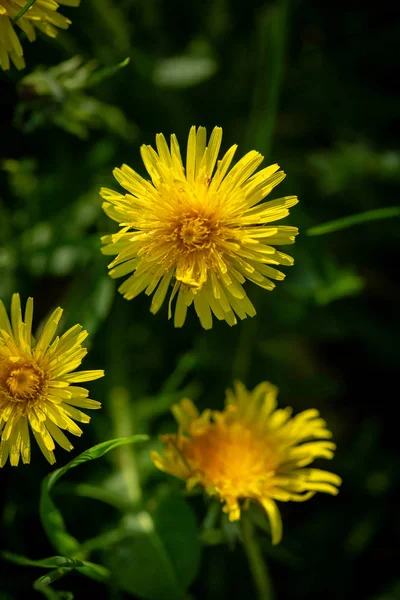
(42, 14)
(250, 451)
(36, 391)
(200, 228)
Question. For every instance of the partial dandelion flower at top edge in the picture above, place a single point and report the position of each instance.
(38, 395)
(251, 451)
(197, 229)
(42, 15)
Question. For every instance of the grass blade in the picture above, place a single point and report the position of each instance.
(358, 219)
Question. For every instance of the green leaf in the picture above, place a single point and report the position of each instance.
(165, 542)
(53, 562)
(101, 493)
(338, 284)
(43, 585)
(52, 520)
(106, 72)
(358, 219)
(98, 572)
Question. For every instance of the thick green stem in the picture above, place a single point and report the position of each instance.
(257, 563)
(121, 413)
(121, 407)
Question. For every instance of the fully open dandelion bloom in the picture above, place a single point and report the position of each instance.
(35, 384)
(42, 14)
(200, 228)
(250, 451)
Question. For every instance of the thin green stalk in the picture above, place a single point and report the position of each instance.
(110, 19)
(104, 541)
(272, 36)
(242, 358)
(43, 583)
(24, 9)
(257, 563)
(185, 364)
(358, 219)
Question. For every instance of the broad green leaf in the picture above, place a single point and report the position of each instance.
(359, 219)
(163, 542)
(51, 517)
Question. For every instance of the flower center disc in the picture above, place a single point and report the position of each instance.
(234, 459)
(195, 233)
(21, 382)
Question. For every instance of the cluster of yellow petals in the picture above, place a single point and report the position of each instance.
(250, 451)
(36, 391)
(198, 229)
(41, 15)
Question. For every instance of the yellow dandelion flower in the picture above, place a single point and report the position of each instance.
(250, 451)
(42, 14)
(35, 384)
(200, 228)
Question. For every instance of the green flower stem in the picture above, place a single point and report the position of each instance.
(213, 512)
(271, 49)
(104, 541)
(24, 9)
(272, 38)
(258, 566)
(358, 219)
(247, 336)
(121, 407)
(42, 584)
(121, 413)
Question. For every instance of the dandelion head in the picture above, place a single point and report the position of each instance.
(250, 451)
(37, 395)
(197, 230)
(42, 15)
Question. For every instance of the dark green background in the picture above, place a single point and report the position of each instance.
(327, 336)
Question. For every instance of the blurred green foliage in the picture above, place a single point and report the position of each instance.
(56, 96)
(310, 85)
